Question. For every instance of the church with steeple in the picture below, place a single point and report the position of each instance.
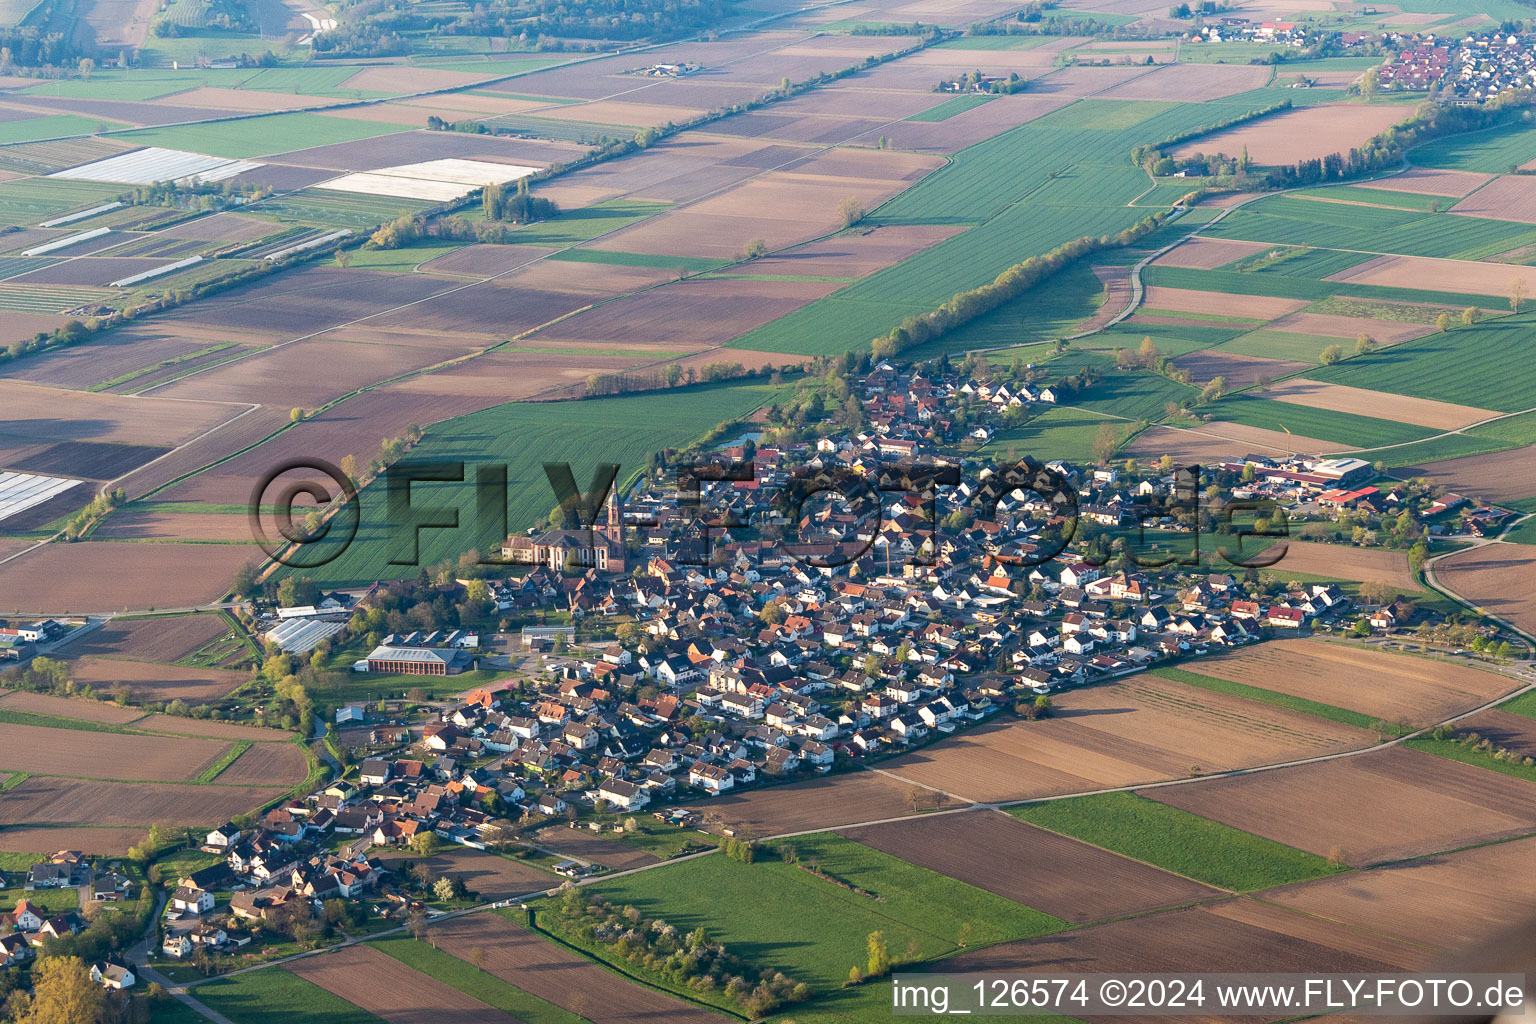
(602, 548)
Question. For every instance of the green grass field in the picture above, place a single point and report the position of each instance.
(260, 136)
(760, 911)
(1379, 197)
(1497, 151)
(57, 126)
(1485, 366)
(324, 208)
(54, 901)
(399, 261)
(522, 435)
(1292, 221)
(1314, 708)
(573, 226)
(274, 996)
(1323, 424)
(1055, 434)
(1195, 847)
(991, 43)
(1285, 286)
(25, 202)
(472, 981)
(1303, 348)
(950, 107)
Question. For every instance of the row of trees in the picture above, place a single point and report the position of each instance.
(520, 207)
(963, 307)
(670, 376)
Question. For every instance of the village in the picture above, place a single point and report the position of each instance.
(664, 660)
(1474, 69)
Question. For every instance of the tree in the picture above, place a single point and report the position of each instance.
(343, 258)
(1148, 352)
(1214, 389)
(245, 579)
(1042, 706)
(1469, 316)
(425, 843)
(1105, 442)
(443, 889)
(1336, 857)
(62, 993)
(1517, 294)
(1364, 344)
(850, 211)
(756, 249)
(1330, 355)
(86, 66)
(879, 955)
(1443, 322)
(295, 414)
(349, 467)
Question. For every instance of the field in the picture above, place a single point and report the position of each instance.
(395, 993)
(1176, 840)
(1395, 688)
(266, 763)
(89, 710)
(1158, 729)
(556, 975)
(1492, 578)
(107, 755)
(823, 803)
(1301, 133)
(492, 876)
(583, 845)
(1344, 562)
(110, 575)
(1295, 221)
(1238, 370)
(1441, 902)
(1496, 151)
(1492, 476)
(472, 981)
(1381, 806)
(259, 136)
(78, 803)
(274, 996)
(1071, 880)
(1328, 424)
(1238, 935)
(1438, 274)
(106, 842)
(150, 681)
(759, 910)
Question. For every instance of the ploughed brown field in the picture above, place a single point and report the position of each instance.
(1140, 729)
(1430, 182)
(1239, 370)
(1381, 404)
(556, 975)
(151, 682)
(1342, 562)
(1239, 935)
(1191, 83)
(1439, 275)
(1504, 729)
(1210, 253)
(1386, 332)
(1497, 476)
(825, 803)
(78, 802)
(135, 524)
(1507, 197)
(1301, 133)
(1187, 446)
(234, 436)
(1384, 805)
(160, 638)
(1393, 687)
(493, 877)
(105, 842)
(1276, 440)
(104, 575)
(1497, 578)
(105, 755)
(1061, 876)
(38, 414)
(267, 763)
(1450, 902)
(89, 710)
(583, 845)
(1187, 300)
(214, 730)
(391, 991)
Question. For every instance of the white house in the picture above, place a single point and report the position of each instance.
(110, 975)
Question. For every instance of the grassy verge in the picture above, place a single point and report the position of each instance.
(1451, 750)
(57, 722)
(1177, 840)
(1283, 700)
(472, 981)
(214, 770)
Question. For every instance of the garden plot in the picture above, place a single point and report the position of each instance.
(433, 180)
(151, 164)
(21, 491)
